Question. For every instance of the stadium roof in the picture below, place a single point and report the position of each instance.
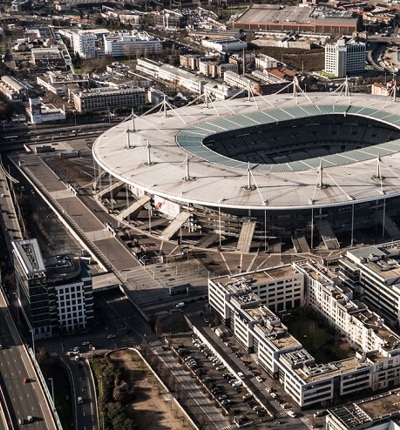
(214, 180)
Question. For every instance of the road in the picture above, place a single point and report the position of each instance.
(24, 399)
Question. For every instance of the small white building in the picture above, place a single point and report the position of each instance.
(224, 45)
(135, 43)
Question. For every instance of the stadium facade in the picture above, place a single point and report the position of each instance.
(286, 165)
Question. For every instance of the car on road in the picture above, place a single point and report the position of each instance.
(291, 414)
(21, 421)
(29, 418)
(26, 380)
(241, 375)
(180, 305)
(85, 343)
(259, 379)
(111, 336)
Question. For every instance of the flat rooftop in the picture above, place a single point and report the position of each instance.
(349, 176)
(375, 408)
(294, 14)
(258, 277)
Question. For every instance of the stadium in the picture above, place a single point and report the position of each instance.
(254, 171)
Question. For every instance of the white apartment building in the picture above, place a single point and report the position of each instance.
(173, 74)
(249, 304)
(373, 273)
(379, 412)
(84, 44)
(238, 81)
(220, 91)
(135, 43)
(345, 57)
(263, 61)
(54, 293)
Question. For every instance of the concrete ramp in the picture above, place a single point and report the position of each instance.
(327, 234)
(390, 226)
(175, 225)
(300, 244)
(113, 188)
(208, 240)
(246, 236)
(134, 207)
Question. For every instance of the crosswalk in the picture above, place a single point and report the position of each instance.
(227, 428)
(153, 344)
(192, 314)
(281, 415)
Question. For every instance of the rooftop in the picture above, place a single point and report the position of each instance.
(295, 14)
(376, 408)
(349, 176)
(29, 255)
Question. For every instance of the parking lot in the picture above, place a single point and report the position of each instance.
(223, 386)
(235, 381)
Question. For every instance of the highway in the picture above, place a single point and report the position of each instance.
(24, 399)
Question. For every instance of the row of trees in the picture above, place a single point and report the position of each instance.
(113, 396)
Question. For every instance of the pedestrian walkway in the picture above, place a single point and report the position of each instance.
(227, 428)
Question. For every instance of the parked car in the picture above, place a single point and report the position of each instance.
(241, 375)
(180, 305)
(291, 414)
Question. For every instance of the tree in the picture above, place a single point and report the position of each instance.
(158, 328)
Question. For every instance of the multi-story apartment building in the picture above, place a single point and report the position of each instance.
(84, 43)
(173, 74)
(127, 44)
(373, 273)
(55, 293)
(72, 282)
(235, 80)
(379, 412)
(250, 305)
(345, 57)
(106, 99)
(12, 89)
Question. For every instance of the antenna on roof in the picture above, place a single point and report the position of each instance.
(149, 163)
(133, 121)
(320, 183)
(187, 174)
(128, 139)
(249, 186)
(165, 106)
(394, 89)
(378, 172)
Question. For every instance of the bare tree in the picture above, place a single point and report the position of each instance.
(158, 328)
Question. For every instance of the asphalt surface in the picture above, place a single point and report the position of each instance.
(24, 398)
